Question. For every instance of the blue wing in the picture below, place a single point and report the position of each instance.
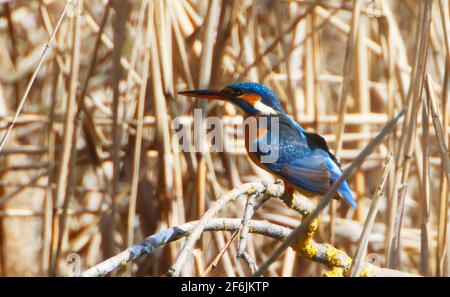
(305, 161)
(344, 189)
(309, 173)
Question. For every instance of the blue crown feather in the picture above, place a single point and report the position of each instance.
(268, 96)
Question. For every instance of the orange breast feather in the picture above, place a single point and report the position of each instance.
(253, 132)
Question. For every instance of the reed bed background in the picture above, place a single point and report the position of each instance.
(88, 95)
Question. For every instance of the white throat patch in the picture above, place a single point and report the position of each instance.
(264, 109)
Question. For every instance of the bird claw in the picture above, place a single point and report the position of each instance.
(279, 182)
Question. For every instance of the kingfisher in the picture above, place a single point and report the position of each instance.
(303, 160)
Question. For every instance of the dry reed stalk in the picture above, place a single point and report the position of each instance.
(389, 58)
(425, 218)
(353, 37)
(442, 242)
(444, 10)
(64, 168)
(442, 141)
(363, 102)
(50, 197)
(162, 121)
(346, 28)
(368, 224)
(165, 43)
(198, 261)
(273, 45)
(348, 64)
(122, 10)
(49, 28)
(408, 136)
(106, 40)
(33, 77)
(87, 124)
(444, 265)
(205, 70)
(181, 46)
(12, 35)
(318, 27)
(139, 118)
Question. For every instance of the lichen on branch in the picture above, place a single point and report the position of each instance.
(338, 261)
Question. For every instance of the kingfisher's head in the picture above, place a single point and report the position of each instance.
(253, 98)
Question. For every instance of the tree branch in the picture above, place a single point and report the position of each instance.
(324, 251)
(246, 189)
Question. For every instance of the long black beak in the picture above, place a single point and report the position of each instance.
(205, 94)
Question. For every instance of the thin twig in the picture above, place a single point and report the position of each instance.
(35, 73)
(216, 259)
(219, 256)
(368, 224)
(248, 214)
(247, 189)
(242, 245)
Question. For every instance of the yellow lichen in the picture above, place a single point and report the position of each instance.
(338, 261)
(331, 256)
(251, 191)
(334, 272)
(291, 202)
(309, 250)
(338, 258)
(312, 228)
(367, 271)
(305, 245)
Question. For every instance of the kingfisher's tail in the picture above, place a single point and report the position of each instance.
(346, 194)
(344, 190)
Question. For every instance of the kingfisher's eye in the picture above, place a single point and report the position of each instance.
(233, 92)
